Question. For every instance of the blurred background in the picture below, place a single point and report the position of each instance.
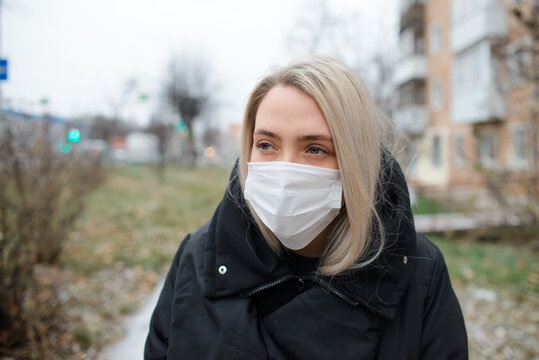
(120, 121)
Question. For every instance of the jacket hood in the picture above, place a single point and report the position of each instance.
(235, 241)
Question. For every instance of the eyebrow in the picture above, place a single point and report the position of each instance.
(317, 137)
(313, 137)
(266, 133)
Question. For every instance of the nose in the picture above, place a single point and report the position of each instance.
(289, 156)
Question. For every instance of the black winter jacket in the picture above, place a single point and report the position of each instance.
(229, 296)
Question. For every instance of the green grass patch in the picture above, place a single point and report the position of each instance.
(137, 218)
(425, 205)
(83, 335)
(513, 267)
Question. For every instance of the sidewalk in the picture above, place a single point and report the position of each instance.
(131, 347)
(440, 223)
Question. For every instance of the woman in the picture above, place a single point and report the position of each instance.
(312, 253)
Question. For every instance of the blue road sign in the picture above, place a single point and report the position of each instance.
(3, 69)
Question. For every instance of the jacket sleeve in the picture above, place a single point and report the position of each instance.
(157, 341)
(444, 334)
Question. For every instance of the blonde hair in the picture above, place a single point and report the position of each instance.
(356, 236)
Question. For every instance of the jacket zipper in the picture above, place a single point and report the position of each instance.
(301, 280)
(301, 286)
(266, 286)
(337, 293)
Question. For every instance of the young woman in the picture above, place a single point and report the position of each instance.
(312, 253)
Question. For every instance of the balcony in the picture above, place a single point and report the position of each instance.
(480, 23)
(476, 104)
(413, 15)
(411, 119)
(409, 68)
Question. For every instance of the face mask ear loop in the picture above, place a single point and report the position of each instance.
(337, 196)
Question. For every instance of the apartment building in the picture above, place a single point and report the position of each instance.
(462, 103)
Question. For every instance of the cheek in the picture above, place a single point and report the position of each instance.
(329, 162)
(334, 164)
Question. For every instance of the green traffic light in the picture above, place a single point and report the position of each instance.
(65, 148)
(73, 135)
(180, 127)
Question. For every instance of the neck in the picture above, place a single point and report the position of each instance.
(316, 247)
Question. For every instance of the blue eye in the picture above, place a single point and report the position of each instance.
(315, 150)
(265, 146)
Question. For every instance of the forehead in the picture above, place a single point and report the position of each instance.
(288, 109)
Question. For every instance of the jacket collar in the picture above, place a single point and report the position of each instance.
(235, 242)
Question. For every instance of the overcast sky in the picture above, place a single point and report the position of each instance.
(79, 53)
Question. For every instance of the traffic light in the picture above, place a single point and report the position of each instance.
(73, 135)
(180, 127)
(65, 147)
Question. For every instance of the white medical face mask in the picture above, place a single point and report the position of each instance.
(295, 201)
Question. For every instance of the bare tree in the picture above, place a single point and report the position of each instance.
(380, 82)
(105, 128)
(162, 130)
(518, 65)
(530, 71)
(189, 92)
(113, 126)
(314, 31)
(320, 30)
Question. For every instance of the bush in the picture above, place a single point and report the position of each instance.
(42, 193)
(428, 206)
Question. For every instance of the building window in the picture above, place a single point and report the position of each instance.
(487, 148)
(435, 41)
(406, 42)
(458, 148)
(411, 42)
(436, 95)
(436, 151)
(465, 8)
(412, 93)
(519, 146)
(420, 94)
(419, 44)
(468, 68)
(406, 4)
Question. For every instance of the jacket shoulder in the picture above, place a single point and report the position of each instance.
(443, 333)
(425, 247)
(429, 261)
(194, 242)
